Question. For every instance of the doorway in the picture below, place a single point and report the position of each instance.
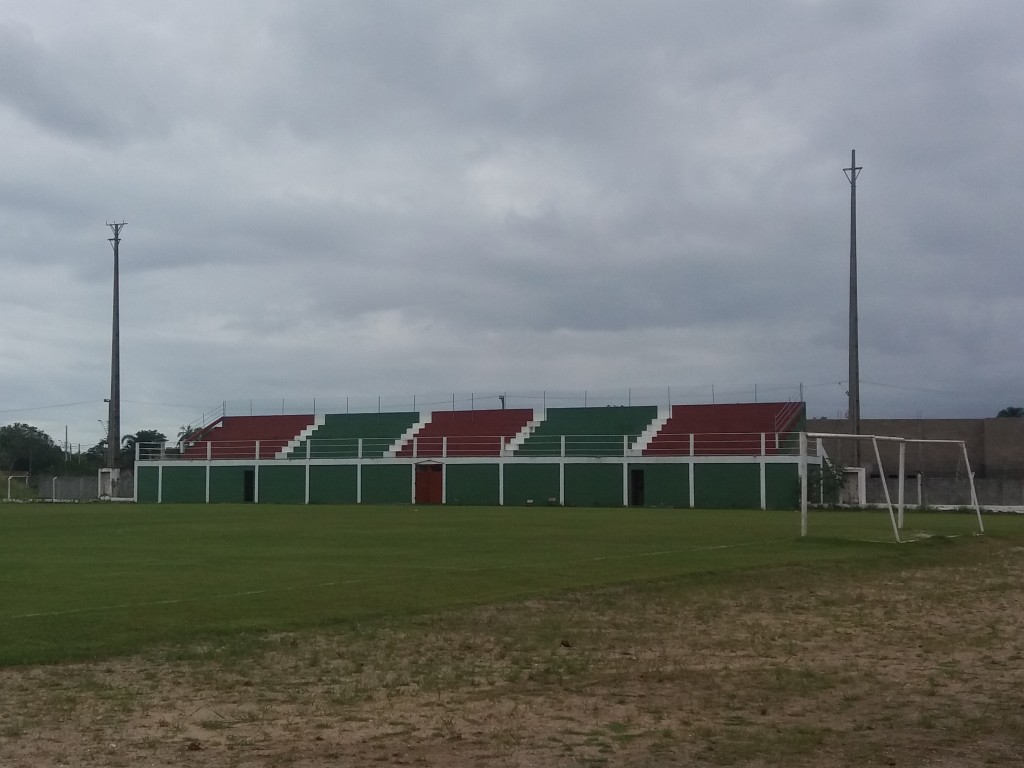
(429, 483)
(249, 485)
(636, 487)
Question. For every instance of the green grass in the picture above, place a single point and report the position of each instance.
(88, 581)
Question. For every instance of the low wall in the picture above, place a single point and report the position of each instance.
(995, 446)
(943, 491)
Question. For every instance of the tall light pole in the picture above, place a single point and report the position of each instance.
(114, 411)
(854, 409)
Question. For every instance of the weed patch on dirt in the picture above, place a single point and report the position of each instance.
(806, 666)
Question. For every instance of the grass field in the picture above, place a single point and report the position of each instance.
(223, 636)
(87, 581)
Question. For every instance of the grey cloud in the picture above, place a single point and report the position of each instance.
(333, 198)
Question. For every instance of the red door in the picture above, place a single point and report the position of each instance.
(428, 483)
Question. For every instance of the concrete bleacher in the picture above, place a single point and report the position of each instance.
(716, 430)
(466, 433)
(235, 437)
(352, 435)
(608, 431)
(727, 430)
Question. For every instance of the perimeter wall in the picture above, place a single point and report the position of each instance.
(995, 446)
(749, 482)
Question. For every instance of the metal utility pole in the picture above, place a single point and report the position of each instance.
(854, 412)
(114, 411)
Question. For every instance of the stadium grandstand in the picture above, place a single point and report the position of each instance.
(718, 455)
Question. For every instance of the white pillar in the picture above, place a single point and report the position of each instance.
(691, 472)
(803, 483)
(256, 476)
(308, 454)
(763, 471)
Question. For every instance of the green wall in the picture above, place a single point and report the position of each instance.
(665, 485)
(782, 486)
(593, 485)
(471, 484)
(184, 485)
(727, 485)
(282, 484)
(387, 484)
(531, 484)
(227, 484)
(332, 484)
(148, 482)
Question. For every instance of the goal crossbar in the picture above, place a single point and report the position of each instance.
(895, 516)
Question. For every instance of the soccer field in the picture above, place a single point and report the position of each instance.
(89, 581)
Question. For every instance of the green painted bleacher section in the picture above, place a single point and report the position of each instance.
(340, 435)
(588, 431)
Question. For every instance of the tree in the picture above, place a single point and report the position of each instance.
(87, 462)
(144, 437)
(97, 455)
(1014, 412)
(24, 448)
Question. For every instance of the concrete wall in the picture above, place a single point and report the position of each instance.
(995, 446)
(946, 491)
(1004, 447)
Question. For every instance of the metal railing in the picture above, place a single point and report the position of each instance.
(539, 399)
(468, 446)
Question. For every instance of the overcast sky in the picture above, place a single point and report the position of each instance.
(340, 200)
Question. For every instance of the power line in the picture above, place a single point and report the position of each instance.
(49, 407)
(920, 389)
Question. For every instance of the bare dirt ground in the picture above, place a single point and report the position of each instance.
(809, 666)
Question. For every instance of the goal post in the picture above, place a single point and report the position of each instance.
(814, 453)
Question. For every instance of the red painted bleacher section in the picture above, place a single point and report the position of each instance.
(469, 433)
(234, 437)
(724, 430)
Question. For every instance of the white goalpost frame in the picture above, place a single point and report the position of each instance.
(896, 518)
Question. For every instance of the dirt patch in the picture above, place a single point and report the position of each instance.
(797, 667)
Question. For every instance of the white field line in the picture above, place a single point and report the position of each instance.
(254, 592)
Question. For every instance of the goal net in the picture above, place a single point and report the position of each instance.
(870, 471)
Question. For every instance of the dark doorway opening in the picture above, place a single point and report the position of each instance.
(429, 483)
(636, 487)
(249, 485)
